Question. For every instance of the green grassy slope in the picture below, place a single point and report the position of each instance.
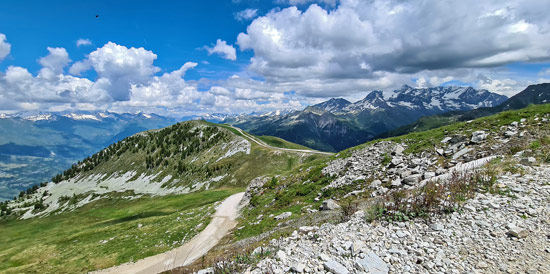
(118, 227)
(104, 233)
(278, 142)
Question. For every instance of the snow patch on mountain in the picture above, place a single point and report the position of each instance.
(76, 116)
(40, 117)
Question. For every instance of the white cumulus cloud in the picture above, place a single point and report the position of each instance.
(127, 81)
(56, 60)
(5, 47)
(222, 48)
(120, 66)
(360, 43)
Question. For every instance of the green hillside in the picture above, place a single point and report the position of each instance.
(141, 196)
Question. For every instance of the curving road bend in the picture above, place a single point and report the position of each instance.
(263, 144)
(222, 222)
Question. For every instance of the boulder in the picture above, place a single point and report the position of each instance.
(329, 205)
(371, 263)
(283, 215)
(412, 179)
(357, 247)
(457, 139)
(518, 232)
(375, 184)
(429, 174)
(510, 133)
(335, 267)
(528, 161)
(396, 161)
(398, 150)
(298, 267)
(478, 136)
(461, 153)
(396, 183)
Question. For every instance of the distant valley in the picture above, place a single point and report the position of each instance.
(33, 148)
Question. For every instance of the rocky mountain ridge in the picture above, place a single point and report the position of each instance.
(495, 233)
(338, 124)
(436, 99)
(533, 94)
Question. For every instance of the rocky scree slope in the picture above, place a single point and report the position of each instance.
(501, 166)
(337, 124)
(493, 234)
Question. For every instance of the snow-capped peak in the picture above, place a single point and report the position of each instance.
(39, 117)
(75, 116)
(374, 100)
(103, 115)
(442, 98)
(333, 105)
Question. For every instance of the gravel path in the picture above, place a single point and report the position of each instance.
(222, 222)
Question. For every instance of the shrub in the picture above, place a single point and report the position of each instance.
(433, 198)
(348, 209)
(271, 184)
(386, 159)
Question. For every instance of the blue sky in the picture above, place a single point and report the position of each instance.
(174, 30)
(188, 57)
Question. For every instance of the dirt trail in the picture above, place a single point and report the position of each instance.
(222, 222)
(263, 144)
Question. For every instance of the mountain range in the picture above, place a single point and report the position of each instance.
(338, 124)
(215, 193)
(34, 147)
(533, 94)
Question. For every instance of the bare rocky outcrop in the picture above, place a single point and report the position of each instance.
(254, 188)
(494, 234)
(502, 231)
(385, 165)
